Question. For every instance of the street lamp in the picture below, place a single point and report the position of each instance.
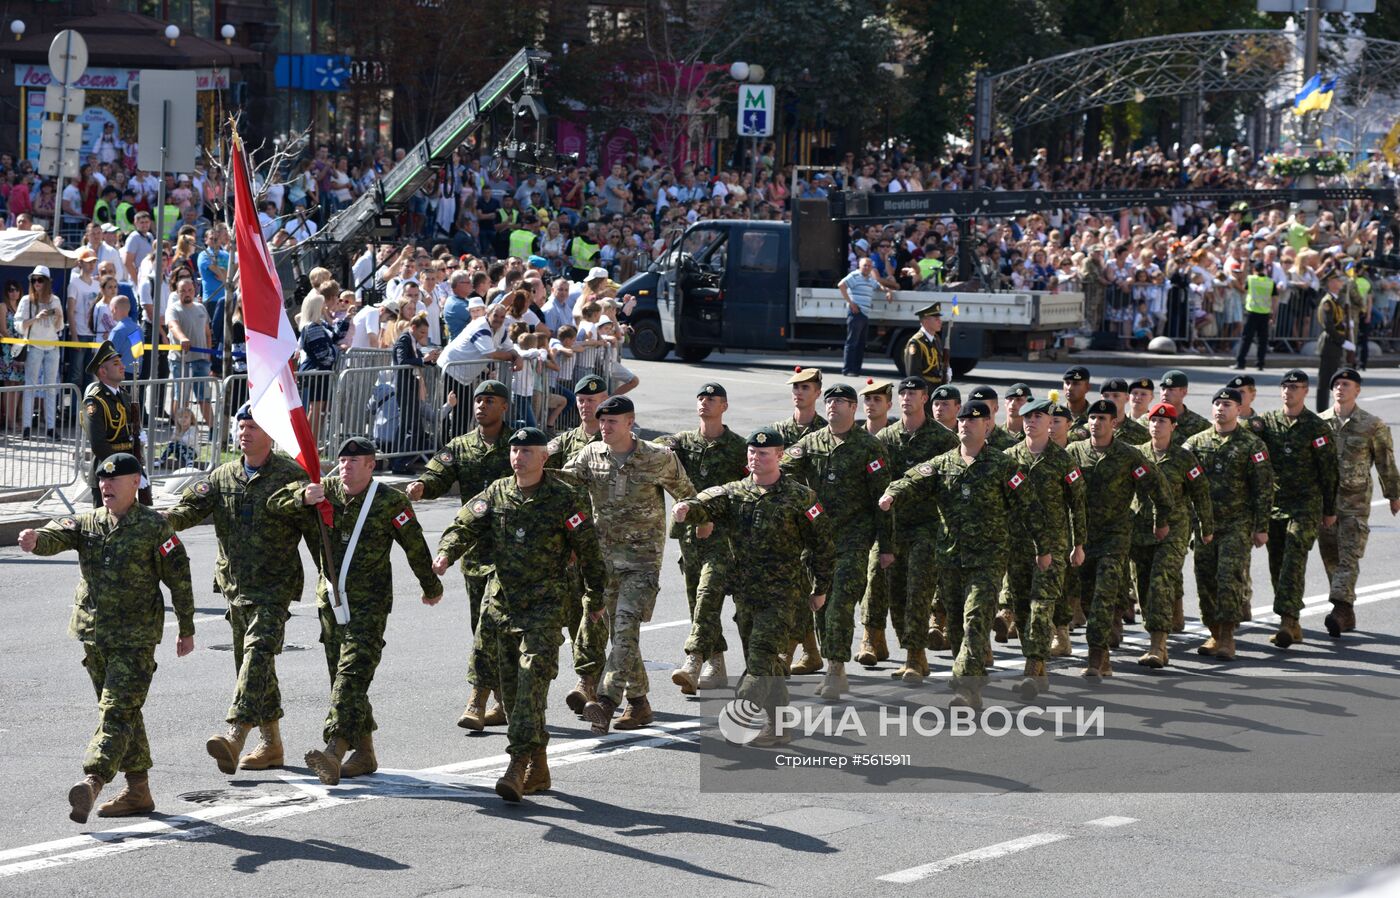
(227, 32)
(739, 71)
(17, 27)
(172, 33)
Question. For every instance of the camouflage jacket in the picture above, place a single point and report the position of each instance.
(1241, 479)
(1188, 424)
(1113, 479)
(565, 445)
(1134, 433)
(977, 504)
(369, 584)
(1000, 440)
(629, 505)
(1304, 463)
(1018, 435)
(782, 544)
(1056, 482)
(1189, 487)
(792, 431)
(849, 475)
(904, 450)
(1363, 441)
(471, 462)
(258, 561)
(122, 563)
(529, 540)
(707, 462)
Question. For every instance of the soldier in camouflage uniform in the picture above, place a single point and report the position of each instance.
(1114, 473)
(590, 637)
(1134, 433)
(999, 439)
(1068, 614)
(125, 551)
(1158, 563)
(627, 479)
(806, 384)
(529, 525)
(1140, 396)
(785, 549)
(846, 467)
(913, 577)
(470, 462)
(1172, 388)
(876, 396)
(1016, 396)
(1305, 495)
(353, 649)
(1032, 593)
(1076, 395)
(1363, 442)
(711, 454)
(1236, 463)
(945, 401)
(259, 574)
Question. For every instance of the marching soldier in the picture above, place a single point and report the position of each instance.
(1236, 463)
(258, 571)
(1158, 563)
(847, 469)
(125, 552)
(113, 420)
(924, 354)
(979, 496)
(785, 549)
(1305, 495)
(527, 526)
(1174, 386)
(946, 403)
(1076, 394)
(711, 455)
(999, 439)
(876, 396)
(1249, 391)
(1016, 396)
(471, 461)
(806, 390)
(1069, 614)
(1140, 394)
(1134, 433)
(368, 518)
(1363, 442)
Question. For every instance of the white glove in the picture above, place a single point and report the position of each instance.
(1349, 346)
(145, 481)
(144, 441)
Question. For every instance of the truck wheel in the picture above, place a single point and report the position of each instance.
(962, 365)
(693, 354)
(647, 342)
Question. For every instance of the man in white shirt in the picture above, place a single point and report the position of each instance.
(301, 227)
(364, 328)
(484, 341)
(267, 219)
(139, 244)
(82, 294)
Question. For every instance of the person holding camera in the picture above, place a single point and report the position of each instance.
(40, 317)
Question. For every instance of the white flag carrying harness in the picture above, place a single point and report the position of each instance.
(342, 611)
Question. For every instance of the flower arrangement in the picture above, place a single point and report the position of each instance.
(1324, 163)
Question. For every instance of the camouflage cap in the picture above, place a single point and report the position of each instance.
(875, 387)
(1295, 376)
(802, 375)
(1017, 391)
(118, 464)
(947, 391)
(765, 437)
(491, 388)
(1229, 393)
(528, 436)
(975, 409)
(1103, 407)
(712, 389)
(1175, 378)
(590, 385)
(982, 393)
(355, 446)
(840, 391)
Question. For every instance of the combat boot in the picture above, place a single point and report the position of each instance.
(687, 674)
(834, 683)
(1178, 615)
(1348, 617)
(1208, 647)
(785, 658)
(843, 687)
(1225, 642)
(1077, 608)
(474, 716)
(133, 800)
(1106, 663)
(1130, 614)
(637, 715)
(882, 648)
(769, 737)
(497, 715)
(268, 752)
(811, 658)
(1156, 655)
(938, 630)
(1093, 669)
(1060, 646)
(1246, 612)
(362, 761)
(1288, 633)
(989, 659)
(865, 655)
(325, 763)
(915, 668)
(537, 772)
(82, 795)
(511, 785)
(225, 747)
(1115, 633)
(1003, 624)
(712, 673)
(584, 691)
(599, 713)
(966, 696)
(1035, 680)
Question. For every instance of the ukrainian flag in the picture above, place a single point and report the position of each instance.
(1314, 95)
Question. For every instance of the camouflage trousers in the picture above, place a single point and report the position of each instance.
(527, 661)
(1033, 595)
(913, 586)
(836, 621)
(880, 586)
(763, 632)
(630, 601)
(1222, 574)
(1063, 614)
(589, 638)
(1157, 570)
(481, 660)
(1290, 543)
(1101, 586)
(969, 596)
(353, 652)
(258, 633)
(1342, 547)
(121, 678)
(704, 565)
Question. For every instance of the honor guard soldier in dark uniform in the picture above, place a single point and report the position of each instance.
(113, 420)
(924, 354)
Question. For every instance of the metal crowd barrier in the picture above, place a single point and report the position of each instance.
(173, 450)
(40, 463)
(366, 358)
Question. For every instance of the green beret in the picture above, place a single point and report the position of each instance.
(355, 446)
(590, 385)
(1037, 407)
(491, 388)
(1175, 378)
(947, 391)
(712, 389)
(766, 436)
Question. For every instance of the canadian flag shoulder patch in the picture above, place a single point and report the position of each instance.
(576, 520)
(1194, 472)
(1139, 472)
(1261, 456)
(1073, 476)
(402, 518)
(1016, 480)
(814, 512)
(1320, 442)
(876, 465)
(170, 545)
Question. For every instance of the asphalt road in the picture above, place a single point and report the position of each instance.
(628, 814)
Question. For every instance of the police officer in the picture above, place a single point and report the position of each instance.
(112, 420)
(125, 552)
(924, 354)
(528, 526)
(1260, 307)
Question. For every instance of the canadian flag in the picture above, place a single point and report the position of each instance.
(170, 545)
(403, 518)
(1072, 476)
(814, 512)
(874, 466)
(1139, 472)
(1320, 442)
(576, 520)
(1016, 481)
(1194, 472)
(272, 387)
(1260, 456)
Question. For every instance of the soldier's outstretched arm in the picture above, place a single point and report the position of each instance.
(56, 536)
(174, 566)
(821, 549)
(197, 502)
(1383, 455)
(469, 532)
(674, 479)
(582, 538)
(437, 477)
(914, 485)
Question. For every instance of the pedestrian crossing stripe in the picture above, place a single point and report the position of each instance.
(1139, 472)
(403, 518)
(1261, 455)
(874, 466)
(1194, 472)
(576, 520)
(1320, 442)
(1016, 481)
(1072, 476)
(814, 512)
(170, 545)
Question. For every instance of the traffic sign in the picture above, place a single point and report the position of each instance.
(756, 110)
(72, 135)
(53, 99)
(68, 56)
(48, 161)
(154, 127)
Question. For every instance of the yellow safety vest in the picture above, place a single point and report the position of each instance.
(522, 243)
(126, 218)
(1259, 294)
(584, 253)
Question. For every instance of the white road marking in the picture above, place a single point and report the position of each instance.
(1111, 821)
(685, 622)
(991, 852)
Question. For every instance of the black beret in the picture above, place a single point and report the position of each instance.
(1141, 383)
(1076, 373)
(590, 385)
(1229, 393)
(913, 382)
(975, 409)
(354, 446)
(982, 393)
(1114, 385)
(491, 388)
(1017, 391)
(1060, 410)
(1295, 376)
(947, 391)
(712, 390)
(528, 436)
(1350, 374)
(118, 464)
(766, 436)
(616, 405)
(1240, 380)
(1103, 407)
(840, 391)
